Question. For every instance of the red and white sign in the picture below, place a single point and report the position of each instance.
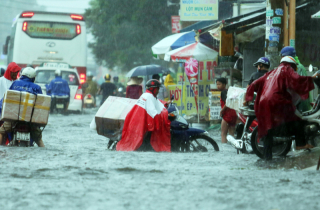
(175, 23)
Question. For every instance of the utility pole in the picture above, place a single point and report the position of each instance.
(286, 25)
(274, 31)
(292, 23)
(239, 6)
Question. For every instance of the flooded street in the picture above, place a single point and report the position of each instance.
(76, 171)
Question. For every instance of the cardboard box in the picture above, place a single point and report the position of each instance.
(111, 115)
(17, 106)
(41, 109)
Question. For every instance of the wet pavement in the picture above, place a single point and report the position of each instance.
(76, 171)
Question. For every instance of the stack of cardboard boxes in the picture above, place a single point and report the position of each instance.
(24, 106)
(111, 115)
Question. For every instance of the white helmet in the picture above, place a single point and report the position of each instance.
(29, 72)
(289, 59)
(58, 72)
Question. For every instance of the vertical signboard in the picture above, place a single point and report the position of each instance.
(198, 10)
(175, 24)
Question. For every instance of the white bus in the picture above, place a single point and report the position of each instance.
(39, 37)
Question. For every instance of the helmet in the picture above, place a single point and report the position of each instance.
(58, 72)
(288, 51)
(262, 60)
(153, 83)
(89, 74)
(107, 77)
(29, 72)
(116, 78)
(289, 59)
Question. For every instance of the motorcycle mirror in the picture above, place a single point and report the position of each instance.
(172, 97)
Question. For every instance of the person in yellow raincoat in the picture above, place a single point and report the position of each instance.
(168, 81)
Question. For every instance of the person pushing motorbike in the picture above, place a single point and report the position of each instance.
(147, 126)
(58, 87)
(274, 105)
(24, 84)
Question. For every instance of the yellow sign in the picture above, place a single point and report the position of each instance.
(197, 10)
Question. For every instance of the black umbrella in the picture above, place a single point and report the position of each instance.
(147, 70)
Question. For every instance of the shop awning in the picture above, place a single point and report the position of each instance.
(256, 18)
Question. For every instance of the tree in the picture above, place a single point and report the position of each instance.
(125, 30)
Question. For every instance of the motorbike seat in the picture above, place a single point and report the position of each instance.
(246, 111)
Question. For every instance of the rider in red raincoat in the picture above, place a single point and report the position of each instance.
(147, 126)
(274, 105)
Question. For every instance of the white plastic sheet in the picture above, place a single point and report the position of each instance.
(235, 98)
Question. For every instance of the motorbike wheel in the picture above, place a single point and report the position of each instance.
(23, 144)
(202, 143)
(315, 141)
(239, 130)
(278, 150)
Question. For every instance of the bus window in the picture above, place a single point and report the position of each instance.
(51, 30)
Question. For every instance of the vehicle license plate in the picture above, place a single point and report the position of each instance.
(59, 106)
(23, 136)
(89, 100)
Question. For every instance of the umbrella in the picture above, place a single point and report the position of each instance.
(317, 15)
(147, 70)
(197, 51)
(173, 42)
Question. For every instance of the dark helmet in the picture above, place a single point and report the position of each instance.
(263, 60)
(116, 78)
(107, 77)
(153, 83)
(288, 51)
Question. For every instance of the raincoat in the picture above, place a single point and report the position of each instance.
(6, 81)
(168, 81)
(148, 114)
(304, 105)
(58, 87)
(274, 103)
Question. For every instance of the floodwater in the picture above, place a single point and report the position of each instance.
(76, 171)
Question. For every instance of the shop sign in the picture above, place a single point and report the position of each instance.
(175, 24)
(198, 10)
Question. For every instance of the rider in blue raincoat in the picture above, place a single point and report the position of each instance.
(24, 84)
(59, 87)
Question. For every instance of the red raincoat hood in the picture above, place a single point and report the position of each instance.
(12, 67)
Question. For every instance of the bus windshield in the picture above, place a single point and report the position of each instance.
(51, 30)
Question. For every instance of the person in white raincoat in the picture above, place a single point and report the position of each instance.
(9, 76)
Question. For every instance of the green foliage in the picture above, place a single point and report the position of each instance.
(125, 30)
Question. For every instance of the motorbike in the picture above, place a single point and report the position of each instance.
(121, 92)
(59, 103)
(20, 135)
(183, 138)
(89, 101)
(282, 142)
(243, 132)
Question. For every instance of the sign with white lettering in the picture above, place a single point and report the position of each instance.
(197, 10)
